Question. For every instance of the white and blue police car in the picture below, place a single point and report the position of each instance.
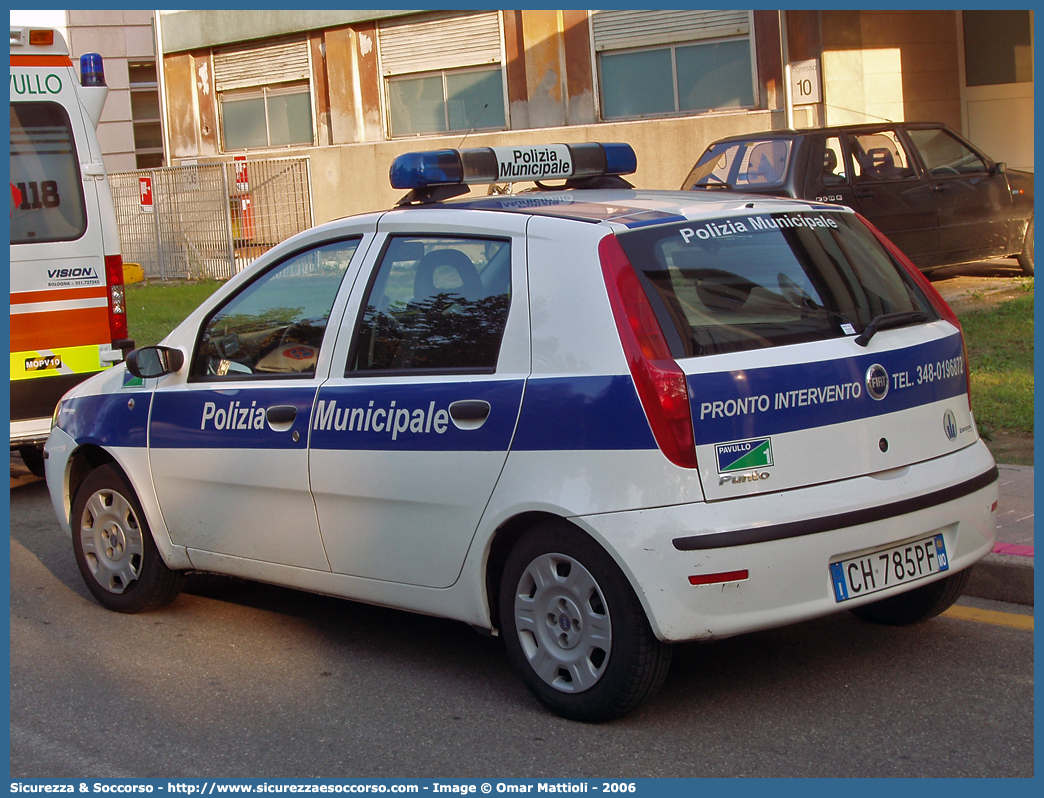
(592, 419)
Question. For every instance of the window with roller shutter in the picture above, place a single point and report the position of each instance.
(264, 93)
(662, 63)
(443, 75)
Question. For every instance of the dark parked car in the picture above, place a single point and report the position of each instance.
(934, 194)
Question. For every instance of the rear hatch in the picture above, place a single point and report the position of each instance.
(810, 354)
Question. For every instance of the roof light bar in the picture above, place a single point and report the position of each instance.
(420, 170)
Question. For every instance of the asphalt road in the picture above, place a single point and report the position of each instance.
(237, 680)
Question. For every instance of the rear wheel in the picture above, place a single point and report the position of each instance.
(1026, 256)
(918, 604)
(575, 630)
(33, 459)
(114, 549)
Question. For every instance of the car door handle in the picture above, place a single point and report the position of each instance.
(940, 187)
(280, 417)
(864, 194)
(469, 413)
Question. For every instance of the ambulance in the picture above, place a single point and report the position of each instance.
(68, 314)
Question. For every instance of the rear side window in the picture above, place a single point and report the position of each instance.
(435, 304)
(755, 281)
(46, 193)
(741, 164)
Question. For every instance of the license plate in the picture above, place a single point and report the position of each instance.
(884, 568)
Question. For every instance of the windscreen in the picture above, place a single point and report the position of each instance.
(753, 281)
(46, 193)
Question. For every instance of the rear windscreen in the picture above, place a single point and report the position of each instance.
(754, 281)
(741, 165)
(46, 193)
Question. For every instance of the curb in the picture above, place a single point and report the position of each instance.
(1002, 577)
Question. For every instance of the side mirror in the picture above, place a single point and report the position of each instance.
(1000, 168)
(154, 361)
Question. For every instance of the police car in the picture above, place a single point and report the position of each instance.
(591, 419)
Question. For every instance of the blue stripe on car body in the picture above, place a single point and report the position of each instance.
(582, 413)
(414, 416)
(734, 405)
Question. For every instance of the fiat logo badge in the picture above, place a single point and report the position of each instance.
(877, 381)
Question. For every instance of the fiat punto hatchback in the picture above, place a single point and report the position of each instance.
(593, 420)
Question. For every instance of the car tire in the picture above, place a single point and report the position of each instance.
(33, 459)
(574, 628)
(918, 604)
(114, 549)
(1026, 256)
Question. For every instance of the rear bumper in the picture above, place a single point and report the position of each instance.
(785, 542)
(30, 432)
(36, 398)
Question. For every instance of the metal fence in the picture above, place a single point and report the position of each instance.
(210, 220)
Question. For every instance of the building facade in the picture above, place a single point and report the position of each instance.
(353, 89)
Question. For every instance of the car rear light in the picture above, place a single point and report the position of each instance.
(659, 380)
(117, 297)
(934, 297)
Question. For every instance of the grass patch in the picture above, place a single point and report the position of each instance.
(153, 310)
(1000, 353)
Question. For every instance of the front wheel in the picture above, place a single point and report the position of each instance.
(1026, 256)
(918, 604)
(575, 630)
(114, 549)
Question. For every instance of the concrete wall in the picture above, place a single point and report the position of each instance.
(199, 28)
(891, 65)
(354, 179)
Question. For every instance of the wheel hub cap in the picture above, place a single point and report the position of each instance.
(111, 540)
(563, 623)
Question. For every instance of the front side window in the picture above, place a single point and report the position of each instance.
(678, 78)
(943, 154)
(277, 116)
(435, 304)
(758, 280)
(879, 156)
(738, 164)
(46, 193)
(462, 100)
(275, 326)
